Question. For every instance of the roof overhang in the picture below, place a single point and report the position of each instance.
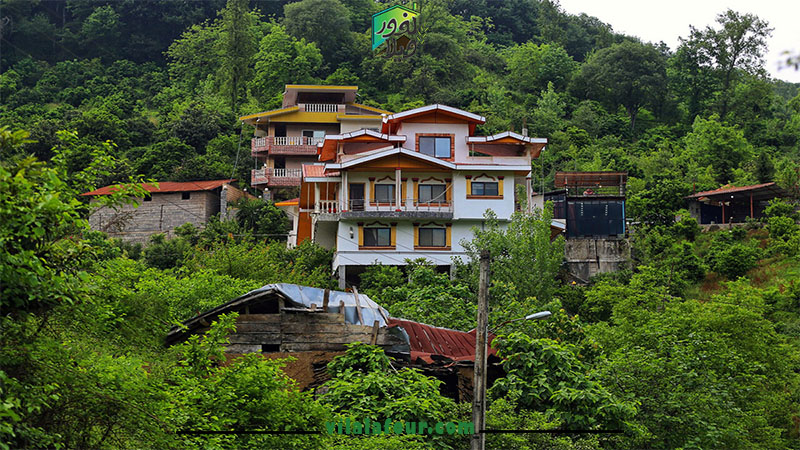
(291, 91)
(327, 148)
(757, 192)
(506, 137)
(390, 151)
(449, 111)
(252, 119)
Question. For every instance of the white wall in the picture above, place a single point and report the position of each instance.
(473, 208)
(355, 125)
(348, 253)
(461, 131)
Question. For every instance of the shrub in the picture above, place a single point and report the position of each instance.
(735, 260)
(163, 253)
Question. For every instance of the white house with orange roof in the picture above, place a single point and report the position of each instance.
(412, 190)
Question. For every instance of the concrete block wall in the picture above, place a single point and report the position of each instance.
(162, 214)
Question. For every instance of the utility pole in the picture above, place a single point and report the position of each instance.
(479, 381)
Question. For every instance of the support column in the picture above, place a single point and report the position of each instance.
(345, 194)
(316, 197)
(397, 185)
(342, 277)
(752, 216)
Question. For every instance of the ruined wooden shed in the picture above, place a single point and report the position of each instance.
(314, 325)
(290, 318)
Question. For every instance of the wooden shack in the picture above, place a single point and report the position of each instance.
(292, 318)
(314, 325)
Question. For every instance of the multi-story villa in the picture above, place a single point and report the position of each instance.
(412, 190)
(286, 138)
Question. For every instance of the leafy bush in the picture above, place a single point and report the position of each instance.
(163, 253)
(779, 208)
(543, 375)
(686, 226)
(250, 393)
(363, 386)
(427, 296)
(307, 264)
(735, 260)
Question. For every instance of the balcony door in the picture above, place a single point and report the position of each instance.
(357, 196)
(312, 137)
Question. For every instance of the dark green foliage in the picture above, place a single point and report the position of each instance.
(543, 375)
(422, 295)
(629, 74)
(262, 219)
(363, 386)
(732, 259)
(163, 253)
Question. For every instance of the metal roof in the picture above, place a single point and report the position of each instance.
(758, 191)
(167, 186)
(297, 296)
(427, 341)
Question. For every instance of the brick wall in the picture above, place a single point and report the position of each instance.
(162, 214)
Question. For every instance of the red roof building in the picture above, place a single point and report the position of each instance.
(732, 204)
(169, 205)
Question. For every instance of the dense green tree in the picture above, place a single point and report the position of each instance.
(739, 44)
(282, 60)
(532, 67)
(715, 144)
(525, 242)
(629, 74)
(326, 23)
(237, 47)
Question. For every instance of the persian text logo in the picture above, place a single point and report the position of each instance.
(394, 30)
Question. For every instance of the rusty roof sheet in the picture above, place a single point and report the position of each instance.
(167, 186)
(427, 341)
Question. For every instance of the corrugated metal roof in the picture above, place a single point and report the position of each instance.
(427, 341)
(167, 186)
(764, 188)
(297, 296)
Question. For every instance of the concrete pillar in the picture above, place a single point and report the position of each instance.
(344, 195)
(316, 197)
(397, 185)
(342, 277)
(223, 202)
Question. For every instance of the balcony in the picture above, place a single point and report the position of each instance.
(360, 209)
(275, 177)
(285, 145)
(320, 107)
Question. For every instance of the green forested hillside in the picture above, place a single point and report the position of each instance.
(694, 345)
(165, 81)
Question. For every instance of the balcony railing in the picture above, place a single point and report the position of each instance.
(406, 205)
(327, 207)
(286, 145)
(287, 140)
(321, 107)
(276, 177)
